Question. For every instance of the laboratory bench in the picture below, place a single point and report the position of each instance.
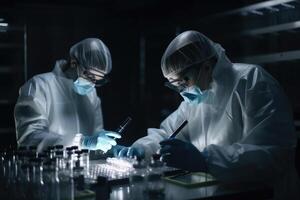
(218, 192)
(120, 190)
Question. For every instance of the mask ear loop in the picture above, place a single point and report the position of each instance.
(78, 72)
(198, 76)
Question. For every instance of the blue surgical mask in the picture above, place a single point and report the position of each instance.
(193, 94)
(83, 86)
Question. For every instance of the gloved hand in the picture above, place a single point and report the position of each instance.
(104, 140)
(131, 152)
(183, 155)
(114, 151)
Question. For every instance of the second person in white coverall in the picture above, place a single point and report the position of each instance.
(240, 126)
(54, 107)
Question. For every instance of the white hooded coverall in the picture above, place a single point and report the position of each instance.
(244, 126)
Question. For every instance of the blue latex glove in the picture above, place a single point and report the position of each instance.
(103, 140)
(182, 155)
(114, 151)
(130, 152)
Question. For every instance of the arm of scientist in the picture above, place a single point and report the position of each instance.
(268, 140)
(150, 143)
(32, 119)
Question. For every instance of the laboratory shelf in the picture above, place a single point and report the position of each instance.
(6, 102)
(13, 69)
(9, 69)
(272, 29)
(11, 45)
(264, 33)
(5, 70)
(271, 58)
(257, 9)
(4, 29)
(291, 27)
(6, 130)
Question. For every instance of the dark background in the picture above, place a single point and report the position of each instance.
(137, 32)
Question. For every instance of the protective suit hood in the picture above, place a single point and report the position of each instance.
(92, 53)
(187, 49)
(244, 126)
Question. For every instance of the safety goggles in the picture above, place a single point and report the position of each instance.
(177, 85)
(94, 75)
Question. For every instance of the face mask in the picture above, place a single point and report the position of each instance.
(193, 94)
(82, 86)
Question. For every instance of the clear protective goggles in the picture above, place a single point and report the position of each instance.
(178, 85)
(94, 75)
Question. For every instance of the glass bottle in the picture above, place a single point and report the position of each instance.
(9, 171)
(51, 180)
(69, 160)
(60, 161)
(78, 173)
(78, 160)
(74, 149)
(51, 151)
(17, 182)
(33, 151)
(2, 170)
(59, 148)
(86, 161)
(39, 190)
(102, 188)
(155, 182)
(26, 188)
(137, 180)
(66, 182)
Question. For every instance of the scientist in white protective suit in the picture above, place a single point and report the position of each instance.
(62, 106)
(240, 126)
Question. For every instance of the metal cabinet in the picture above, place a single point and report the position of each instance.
(13, 73)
